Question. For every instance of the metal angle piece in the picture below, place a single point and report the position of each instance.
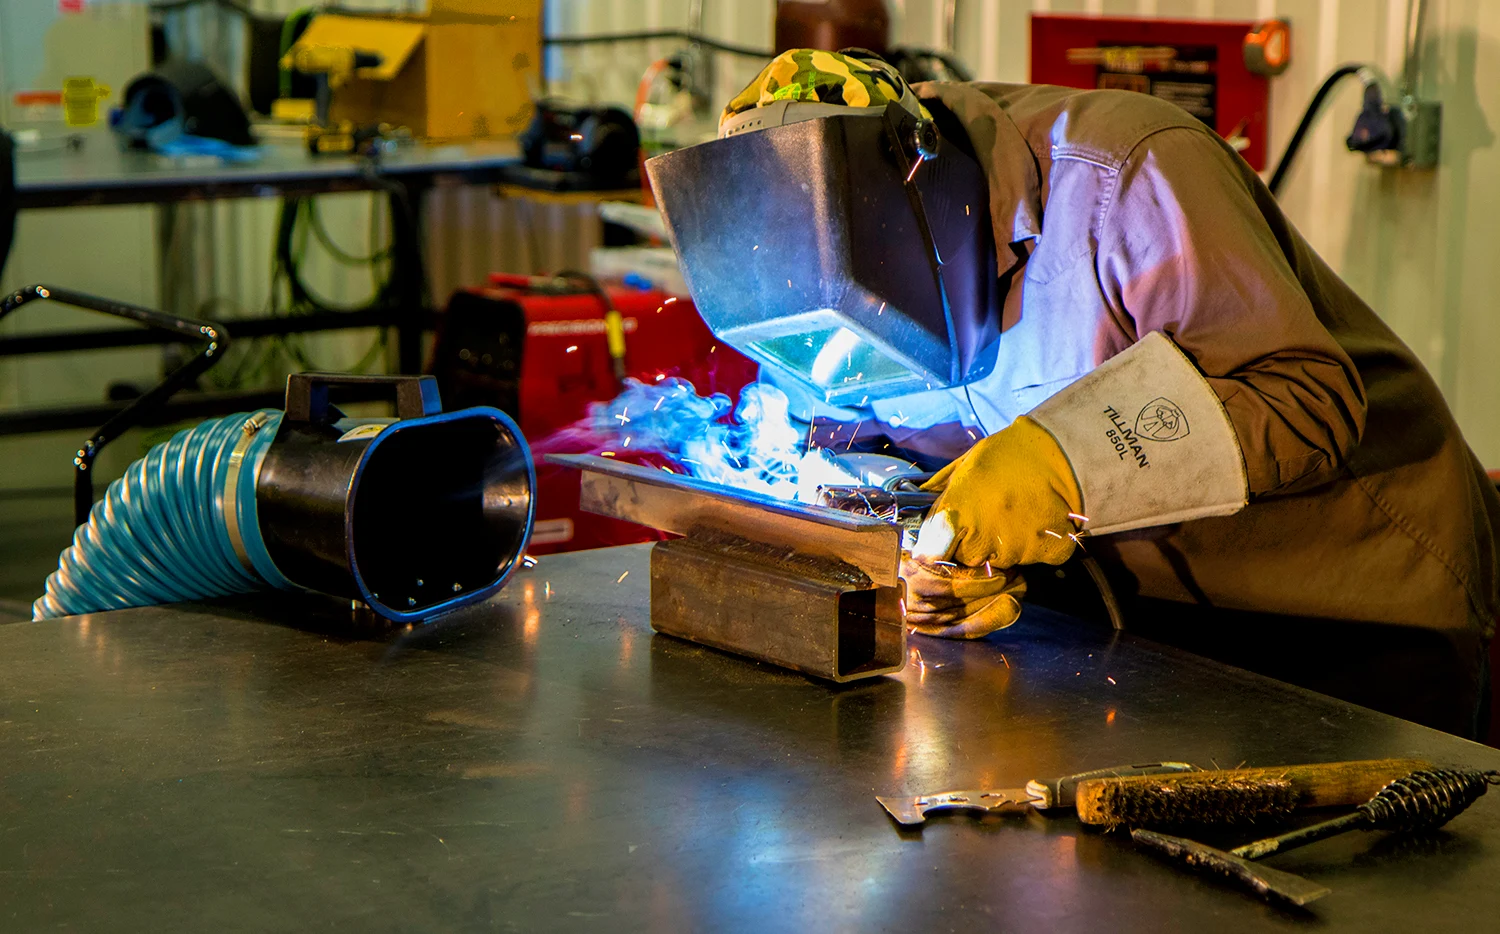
(686, 505)
(804, 587)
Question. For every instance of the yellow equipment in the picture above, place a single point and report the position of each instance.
(332, 66)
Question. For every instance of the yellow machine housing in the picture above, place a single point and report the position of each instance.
(463, 71)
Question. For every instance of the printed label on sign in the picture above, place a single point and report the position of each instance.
(37, 106)
(362, 432)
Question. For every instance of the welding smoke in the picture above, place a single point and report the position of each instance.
(754, 445)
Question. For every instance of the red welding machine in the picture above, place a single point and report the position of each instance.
(539, 349)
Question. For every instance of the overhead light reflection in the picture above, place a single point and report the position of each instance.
(531, 618)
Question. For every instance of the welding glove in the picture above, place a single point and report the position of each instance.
(1141, 441)
(959, 603)
(1006, 502)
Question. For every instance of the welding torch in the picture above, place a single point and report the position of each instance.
(614, 323)
(902, 500)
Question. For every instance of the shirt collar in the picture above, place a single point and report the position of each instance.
(1010, 165)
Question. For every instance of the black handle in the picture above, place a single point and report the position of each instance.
(215, 340)
(307, 395)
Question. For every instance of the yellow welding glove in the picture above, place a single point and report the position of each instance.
(959, 603)
(1009, 500)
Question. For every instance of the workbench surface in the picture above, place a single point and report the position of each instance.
(101, 172)
(545, 762)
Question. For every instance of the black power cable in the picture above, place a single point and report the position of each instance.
(1308, 116)
(683, 34)
(289, 264)
(167, 6)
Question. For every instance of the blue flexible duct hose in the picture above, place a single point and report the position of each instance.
(160, 534)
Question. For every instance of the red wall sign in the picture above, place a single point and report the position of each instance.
(1197, 64)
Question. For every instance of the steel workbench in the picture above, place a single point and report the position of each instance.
(545, 762)
(99, 172)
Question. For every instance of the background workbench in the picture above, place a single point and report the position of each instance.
(546, 762)
(99, 172)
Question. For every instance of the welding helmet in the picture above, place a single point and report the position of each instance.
(830, 234)
(183, 108)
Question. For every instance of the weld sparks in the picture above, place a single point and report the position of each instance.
(753, 445)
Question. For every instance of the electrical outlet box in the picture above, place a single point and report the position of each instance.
(1397, 134)
(1424, 132)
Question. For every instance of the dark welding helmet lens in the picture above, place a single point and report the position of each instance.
(837, 360)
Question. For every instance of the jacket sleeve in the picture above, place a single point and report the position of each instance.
(1184, 249)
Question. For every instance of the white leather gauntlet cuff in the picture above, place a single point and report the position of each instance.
(1148, 439)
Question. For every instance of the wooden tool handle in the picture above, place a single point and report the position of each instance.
(1321, 784)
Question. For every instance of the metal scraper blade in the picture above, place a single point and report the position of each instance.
(913, 810)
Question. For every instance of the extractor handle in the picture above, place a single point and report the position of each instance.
(307, 395)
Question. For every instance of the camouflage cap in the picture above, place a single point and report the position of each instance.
(851, 78)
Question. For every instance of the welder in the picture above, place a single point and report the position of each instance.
(1090, 307)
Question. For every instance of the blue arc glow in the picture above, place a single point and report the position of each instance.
(754, 445)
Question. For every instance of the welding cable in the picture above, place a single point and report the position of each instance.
(294, 222)
(292, 28)
(647, 84)
(614, 323)
(179, 525)
(1106, 592)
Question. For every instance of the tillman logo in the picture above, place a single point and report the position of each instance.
(1124, 439)
(1161, 420)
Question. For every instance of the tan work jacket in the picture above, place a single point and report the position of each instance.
(1131, 216)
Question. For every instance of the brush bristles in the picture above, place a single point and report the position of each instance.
(1200, 801)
